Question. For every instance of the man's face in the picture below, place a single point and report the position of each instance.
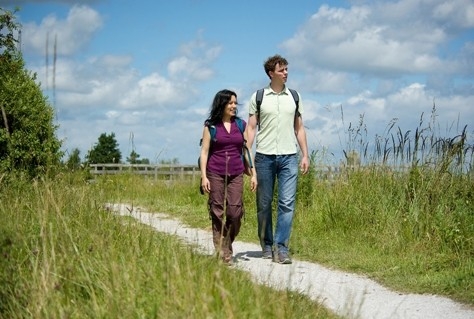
(280, 74)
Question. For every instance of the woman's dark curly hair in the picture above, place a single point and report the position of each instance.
(221, 100)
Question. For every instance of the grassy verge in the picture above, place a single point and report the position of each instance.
(411, 229)
(63, 256)
(410, 239)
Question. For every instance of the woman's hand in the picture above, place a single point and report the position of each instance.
(253, 182)
(205, 185)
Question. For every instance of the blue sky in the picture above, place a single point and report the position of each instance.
(148, 70)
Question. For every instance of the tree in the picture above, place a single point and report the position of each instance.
(105, 151)
(173, 161)
(133, 159)
(74, 160)
(28, 139)
(8, 42)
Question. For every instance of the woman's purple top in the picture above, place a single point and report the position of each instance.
(226, 150)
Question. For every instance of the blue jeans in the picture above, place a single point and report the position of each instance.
(284, 170)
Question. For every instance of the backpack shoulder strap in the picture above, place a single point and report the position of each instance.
(212, 131)
(258, 101)
(240, 124)
(259, 98)
(296, 97)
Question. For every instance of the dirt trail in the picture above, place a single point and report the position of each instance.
(348, 295)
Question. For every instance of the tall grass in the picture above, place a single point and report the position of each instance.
(363, 221)
(402, 212)
(403, 216)
(64, 256)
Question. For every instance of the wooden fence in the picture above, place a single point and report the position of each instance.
(167, 171)
(178, 171)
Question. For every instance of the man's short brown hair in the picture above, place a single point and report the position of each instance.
(272, 61)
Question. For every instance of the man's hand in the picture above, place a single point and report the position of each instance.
(304, 165)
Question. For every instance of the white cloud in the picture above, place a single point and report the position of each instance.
(112, 114)
(459, 13)
(377, 60)
(70, 35)
(114, 61)
(106, 94)
(386, 39)
(406, 107)
(194, 60)
(18, 2)
(384, 62)
(154, 91)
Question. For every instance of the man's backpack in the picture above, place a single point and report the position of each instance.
(259, 98)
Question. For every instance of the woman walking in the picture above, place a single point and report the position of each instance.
(222, 170)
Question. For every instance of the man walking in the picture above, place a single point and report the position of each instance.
(278, 127)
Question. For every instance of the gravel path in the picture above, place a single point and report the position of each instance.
(346, 294)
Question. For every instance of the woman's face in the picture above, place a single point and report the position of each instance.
(231, 107)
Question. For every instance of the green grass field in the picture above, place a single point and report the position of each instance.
(62, 255)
